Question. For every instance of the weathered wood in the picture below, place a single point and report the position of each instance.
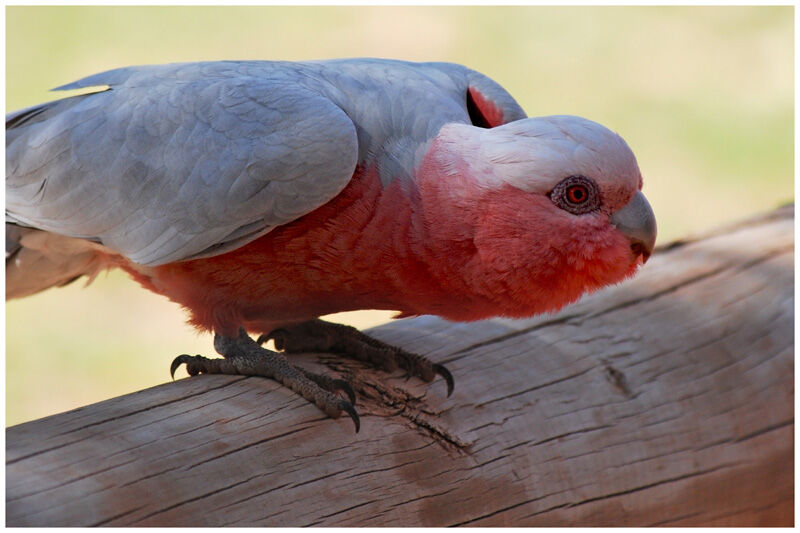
(666, 400)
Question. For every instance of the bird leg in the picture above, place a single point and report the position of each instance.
(320, 336)
(243, 356)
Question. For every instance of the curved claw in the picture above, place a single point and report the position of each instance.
(342, 385)
(178, 361)
(277, 335)
(350, 410)
(448, 377)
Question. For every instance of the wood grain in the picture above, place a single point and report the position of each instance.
(666, 400)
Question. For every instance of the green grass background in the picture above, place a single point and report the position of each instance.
(703, 95)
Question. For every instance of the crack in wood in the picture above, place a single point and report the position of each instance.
(379, 399)
(323, 517)
(617, 378)
(556, 381)
(246, 446)
(538, 442)
(386, 469)
(648, 486)
(766, 429)
(673, 519)
(439, 434)
(254, 496)
(314, 480)
(116, 517)
(504, 510)
(423, 497)
(197, 498)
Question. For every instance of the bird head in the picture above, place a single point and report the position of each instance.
(561, 208)
(583, 167)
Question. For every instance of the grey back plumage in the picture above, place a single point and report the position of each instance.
(182, 161)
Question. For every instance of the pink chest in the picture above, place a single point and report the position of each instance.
(359, 251)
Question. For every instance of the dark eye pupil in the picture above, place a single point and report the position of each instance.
(577, 194)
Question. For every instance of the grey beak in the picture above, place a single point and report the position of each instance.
(637, 222)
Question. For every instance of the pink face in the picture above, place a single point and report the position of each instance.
(547, 256)
(552, 206)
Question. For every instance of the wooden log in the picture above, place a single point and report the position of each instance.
(666, 400)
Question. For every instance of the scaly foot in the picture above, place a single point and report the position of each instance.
(243, 356)
(320, 336)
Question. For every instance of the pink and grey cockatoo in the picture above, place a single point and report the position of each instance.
(261, 195)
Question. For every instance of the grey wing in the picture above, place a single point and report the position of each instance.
(164, 172)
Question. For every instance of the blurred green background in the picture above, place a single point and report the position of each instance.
(703, 95)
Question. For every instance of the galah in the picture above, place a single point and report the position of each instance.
(261, 195)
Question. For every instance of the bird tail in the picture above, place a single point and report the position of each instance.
(37, 260)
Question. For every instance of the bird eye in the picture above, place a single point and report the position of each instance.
(576, 194)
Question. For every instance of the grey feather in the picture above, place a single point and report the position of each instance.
(181, 161)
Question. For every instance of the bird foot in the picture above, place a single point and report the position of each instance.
(320, 336)
(243, 356)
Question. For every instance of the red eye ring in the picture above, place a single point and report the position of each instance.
(577, 194)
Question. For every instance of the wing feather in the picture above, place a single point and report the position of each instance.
(163, 171)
